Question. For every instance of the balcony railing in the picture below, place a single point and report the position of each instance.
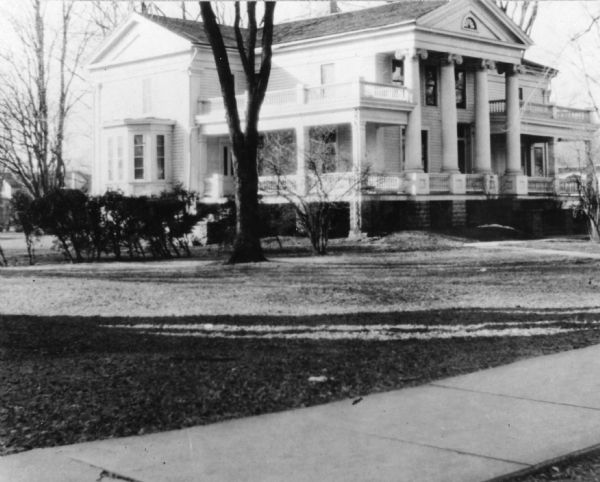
(357, 91)
(545, 111)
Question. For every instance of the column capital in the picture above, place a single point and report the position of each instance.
(486, 64)
(452, 59)
(411, 53)
(511, 69)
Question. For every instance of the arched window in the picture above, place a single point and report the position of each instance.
(469, 23)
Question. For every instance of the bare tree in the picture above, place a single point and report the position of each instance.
(523, 12)
(246, 245)
(35, 102)
(329, 182)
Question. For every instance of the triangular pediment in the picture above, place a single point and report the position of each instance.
(138, 39)
(479, 19)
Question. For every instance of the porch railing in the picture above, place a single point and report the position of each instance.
(392, 183)
(546, 111)
(439, 183)
(540, 185)
(358, 90)
(475, 183)
(569, 187)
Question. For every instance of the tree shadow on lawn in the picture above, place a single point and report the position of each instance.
(72, 379)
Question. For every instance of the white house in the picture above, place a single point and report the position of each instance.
(435, 97)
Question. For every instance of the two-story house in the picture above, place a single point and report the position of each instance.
(434, 97)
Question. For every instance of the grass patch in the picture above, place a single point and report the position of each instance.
(66, 380)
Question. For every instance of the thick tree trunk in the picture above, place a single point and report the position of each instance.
(246, 245)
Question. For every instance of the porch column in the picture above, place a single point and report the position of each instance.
(198, 171)
(448, 111)
(301, 148)
(359, 144)
(413, 157)
(513, 121)
(483, 156)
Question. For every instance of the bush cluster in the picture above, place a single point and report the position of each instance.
(88, 227)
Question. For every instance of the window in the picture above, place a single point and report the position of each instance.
(160, 157)
(425, 150)
(120, 158)
(227, 161)
(398, 71)
(460, 77)
(110, 158)
(138, 156)
(521, 94)
(430, 85)
(469, 23)
(463, 134)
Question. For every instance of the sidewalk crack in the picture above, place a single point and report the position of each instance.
(516, 397)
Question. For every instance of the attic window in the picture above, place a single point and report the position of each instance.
(469, 24)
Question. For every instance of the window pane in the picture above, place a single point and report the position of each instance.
(120, 158)
(160, 157)
(430, 85)
(461, 89)
(398, 71)
(110, 158)
(138, 156)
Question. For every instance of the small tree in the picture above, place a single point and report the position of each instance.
(329, 183)
(588, 189)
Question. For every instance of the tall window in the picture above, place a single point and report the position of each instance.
(138, 156)
(120, 158)
(425, 150)
(227, 161)
(398, 71)
(431, 80)
(460, 78)
(110, 157)
(160, 157)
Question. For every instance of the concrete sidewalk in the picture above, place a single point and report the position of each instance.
(468, 428)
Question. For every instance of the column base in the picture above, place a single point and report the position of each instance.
(416, 183)
(515, 184)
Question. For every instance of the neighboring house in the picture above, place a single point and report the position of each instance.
(435, 97)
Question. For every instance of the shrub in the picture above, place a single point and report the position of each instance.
(88, 227)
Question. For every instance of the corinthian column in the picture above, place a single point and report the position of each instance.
(513, 121)
(448, 108)
(483, 157)
(413, 155)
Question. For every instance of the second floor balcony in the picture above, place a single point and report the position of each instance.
(545, 111)
(302, 99)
